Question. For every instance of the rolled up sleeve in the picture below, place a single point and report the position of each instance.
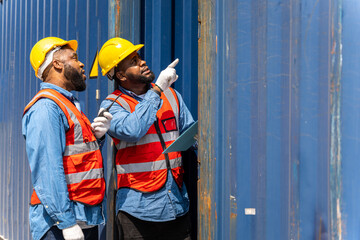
(131, 127)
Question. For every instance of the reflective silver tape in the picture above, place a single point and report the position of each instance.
(124, 104)
(78, 177)
(149, 138)
(147, 166)
(78, 148)
(78, 136)
(173, 103)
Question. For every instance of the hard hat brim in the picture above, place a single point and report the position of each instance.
(123, 56)
(73, 44)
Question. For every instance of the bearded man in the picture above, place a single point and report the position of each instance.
(63, 148)
(152, 201)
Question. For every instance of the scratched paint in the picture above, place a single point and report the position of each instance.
(336, 222)
(207, 49)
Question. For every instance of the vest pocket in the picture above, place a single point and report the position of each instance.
(169, 124)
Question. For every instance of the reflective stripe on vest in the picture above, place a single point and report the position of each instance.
(149, 138)
(81, 158)
(81, 148)
(174, 105)
(144, 167)
(120, 101)
(78, 177)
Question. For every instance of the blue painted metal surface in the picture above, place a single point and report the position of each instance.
(22, 23)
(278, 93)
(347, 88)
(169, 31)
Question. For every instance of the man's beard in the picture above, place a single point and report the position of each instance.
(74, 77)
(141, 78)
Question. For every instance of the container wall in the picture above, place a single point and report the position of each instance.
(348, 87)
(22, 24)
(278, 84)
(169, 31)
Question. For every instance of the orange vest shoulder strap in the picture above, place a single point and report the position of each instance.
(47, 93)
(127, 102)
(62, 102)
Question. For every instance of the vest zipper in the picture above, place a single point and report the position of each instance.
(156, 124)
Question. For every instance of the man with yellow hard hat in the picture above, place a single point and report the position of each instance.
(63, 148)
(152, 200)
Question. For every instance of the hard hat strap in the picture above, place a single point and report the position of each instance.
(47, 61)
(111, 73)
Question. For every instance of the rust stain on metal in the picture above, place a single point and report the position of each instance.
(117, 18)
(206, 65)
(216, 44)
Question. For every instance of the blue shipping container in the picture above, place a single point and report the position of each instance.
(278, 96)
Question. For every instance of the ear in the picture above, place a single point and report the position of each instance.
(58, 65)
(121, 76)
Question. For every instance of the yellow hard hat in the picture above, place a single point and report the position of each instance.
(42, 47)
(114, 51)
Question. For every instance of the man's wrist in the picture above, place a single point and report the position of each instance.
(156, 90)
(157, 87)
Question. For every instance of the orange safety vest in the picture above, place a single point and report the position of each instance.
(82, 160)
(141, 165)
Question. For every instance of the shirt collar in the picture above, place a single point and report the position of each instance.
(130, 93)
(64, 92)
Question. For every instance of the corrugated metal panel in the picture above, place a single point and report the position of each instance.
(22, 23)
(278, 84)
(346, 87)
(169, 32)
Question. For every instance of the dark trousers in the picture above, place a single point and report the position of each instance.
(134, 228)
(55, 233)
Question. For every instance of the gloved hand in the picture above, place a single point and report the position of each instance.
(167, 76)
(101, 125)
(73, 233)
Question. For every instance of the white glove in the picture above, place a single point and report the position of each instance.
(73, 233)
(167, 76)
(101, 125)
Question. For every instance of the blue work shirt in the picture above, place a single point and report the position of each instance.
(44, 127)
(170, 201)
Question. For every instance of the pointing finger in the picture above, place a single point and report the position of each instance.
(174, 63)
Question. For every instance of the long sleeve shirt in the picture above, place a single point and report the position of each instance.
(44, 127)
(170, 201)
